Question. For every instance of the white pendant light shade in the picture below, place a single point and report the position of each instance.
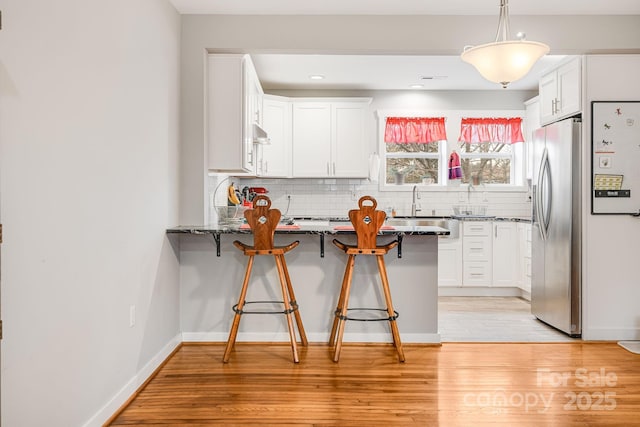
(504, 61)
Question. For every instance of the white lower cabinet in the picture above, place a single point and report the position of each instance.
(488, 254)
(505, 253)
(449, 261)
(524, 232)
(476, 253)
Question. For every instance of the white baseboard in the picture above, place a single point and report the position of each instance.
(133, 384)
(627, 334)
(478, 291)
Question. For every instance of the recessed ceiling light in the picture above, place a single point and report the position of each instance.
(433, 77)
(316, 77)
(416, 86)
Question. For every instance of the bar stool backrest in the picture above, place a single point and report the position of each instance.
(263, 222)
(367, 222)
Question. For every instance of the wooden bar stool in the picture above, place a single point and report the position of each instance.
(367, 222)
(263, 222)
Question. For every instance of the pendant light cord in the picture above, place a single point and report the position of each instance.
(503, 22)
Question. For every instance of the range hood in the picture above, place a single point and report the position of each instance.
(259, 135)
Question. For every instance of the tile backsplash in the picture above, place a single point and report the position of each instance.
(335, 197)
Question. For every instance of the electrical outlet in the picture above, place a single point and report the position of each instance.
(462, 197)
(132, 316)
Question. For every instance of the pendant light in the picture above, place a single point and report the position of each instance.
(504, 61)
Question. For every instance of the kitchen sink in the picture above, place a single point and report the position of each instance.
(448, 224)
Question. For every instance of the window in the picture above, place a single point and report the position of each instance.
(487, 150)
(412, 149)
(415, 150)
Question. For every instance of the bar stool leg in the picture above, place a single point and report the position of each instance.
(287, 308)
(344, 309)
(390, 311)
(341, 303)
(292, 296)
(236, 319)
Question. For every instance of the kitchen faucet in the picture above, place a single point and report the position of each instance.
(416, 195)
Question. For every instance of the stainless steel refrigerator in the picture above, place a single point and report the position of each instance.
(555, 250)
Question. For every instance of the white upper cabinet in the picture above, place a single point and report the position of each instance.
(234, 103)
(531, 123)
(329, 138)
(311, 139)
(560, 91)
(274, 158)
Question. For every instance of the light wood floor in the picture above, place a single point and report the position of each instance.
(492, 319)
(456, 384)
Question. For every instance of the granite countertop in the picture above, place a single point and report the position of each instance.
(315, 225)
(308, 227)
(492, 218)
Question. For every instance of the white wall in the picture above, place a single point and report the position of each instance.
(611, 242)
(88, 173)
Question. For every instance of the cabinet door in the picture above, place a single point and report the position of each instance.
(275, 158)
(505, 253)
(548, 92)
(526, 255)
(349, 154)
(560, 92)
(532, 123)
(449, 262)
(569, 89)
(311, 139)
(227, 146)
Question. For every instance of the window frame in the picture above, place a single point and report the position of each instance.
(452, 123)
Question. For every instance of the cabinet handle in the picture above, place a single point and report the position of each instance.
(334, 168)
(328, 170)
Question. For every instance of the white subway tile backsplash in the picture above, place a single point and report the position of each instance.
(335, 197)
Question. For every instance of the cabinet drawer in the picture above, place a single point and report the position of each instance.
(477, 228)
(477, 273)
(477, 248)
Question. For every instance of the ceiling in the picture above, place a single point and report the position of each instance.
(406, 7)
(392, 72)
(381, 72)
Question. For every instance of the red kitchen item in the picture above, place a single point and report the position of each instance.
(258, 190)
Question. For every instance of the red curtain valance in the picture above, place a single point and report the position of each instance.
(402, 130)
(502, 130)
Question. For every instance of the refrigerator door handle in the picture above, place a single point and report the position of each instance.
(543, 206)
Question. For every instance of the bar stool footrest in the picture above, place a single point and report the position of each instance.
(359, 319)
(294, 307)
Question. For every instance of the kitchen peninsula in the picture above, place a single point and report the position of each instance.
(212, 272)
